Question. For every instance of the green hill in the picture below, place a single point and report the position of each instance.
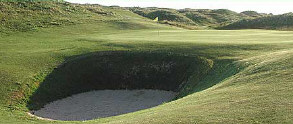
(199, 18)
(163, 14)
(255, 14)
(25, 16)
(166, 16)
(28, 16)
(212, 17)
(278, 22)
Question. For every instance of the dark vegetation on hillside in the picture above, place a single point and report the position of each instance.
(26, 16)
(212, 17)
(119, 70)
(279, 22)
(163, 14)
(195, 17)
(255, 14)
(166, 16)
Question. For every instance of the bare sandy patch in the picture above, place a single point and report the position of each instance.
(103, 103)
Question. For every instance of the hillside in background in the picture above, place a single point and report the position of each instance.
(29, 16)
(276, 22)
(199, 18)
(255, 14)
(25, 16)
(166, 16)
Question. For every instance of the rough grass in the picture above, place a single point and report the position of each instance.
(275, 22)
(21, 16)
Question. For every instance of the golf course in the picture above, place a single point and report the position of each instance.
(54, 50)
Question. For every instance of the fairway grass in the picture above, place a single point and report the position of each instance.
(250, 81)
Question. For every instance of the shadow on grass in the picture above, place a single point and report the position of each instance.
(222, 70)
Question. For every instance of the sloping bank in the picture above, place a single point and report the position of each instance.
(116, 70)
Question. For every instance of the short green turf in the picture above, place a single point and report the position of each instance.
(250, 82)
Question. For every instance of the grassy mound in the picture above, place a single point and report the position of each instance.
(276, 22)
(255, 14)
(166, 16)
(30, 16)
(26, 16)
(195, 18)
(212, 17)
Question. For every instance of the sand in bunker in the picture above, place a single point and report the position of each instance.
(103, 103)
